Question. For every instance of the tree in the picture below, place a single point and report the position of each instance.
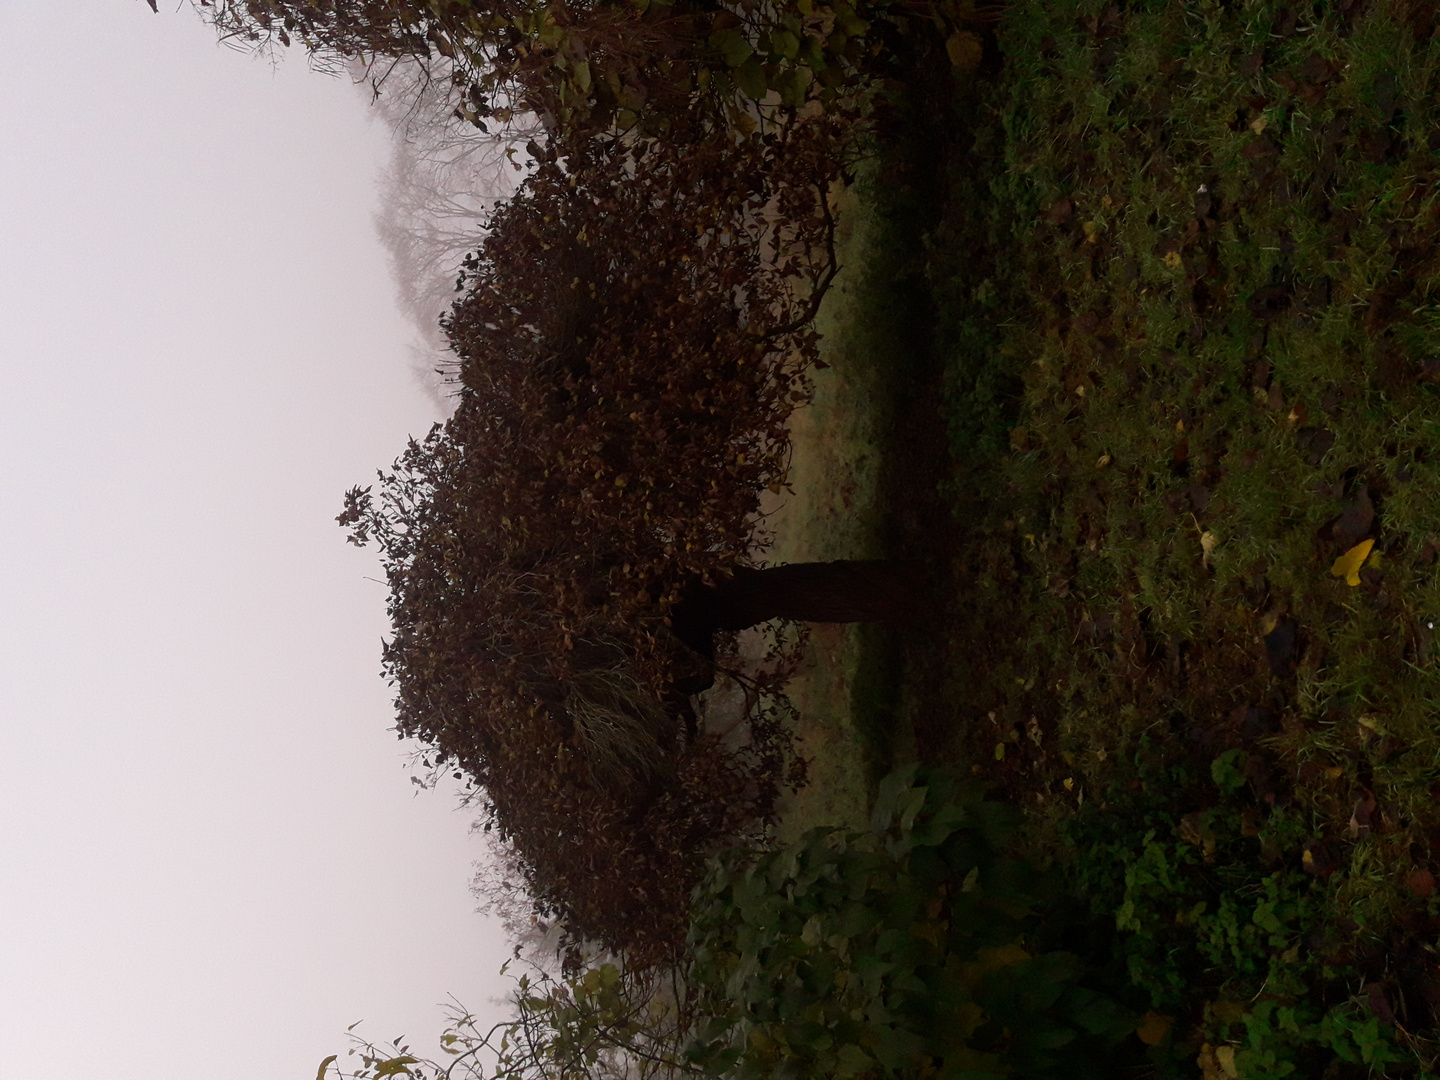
(499, 885)
(592, 66)
(635, 331)
(444, 179)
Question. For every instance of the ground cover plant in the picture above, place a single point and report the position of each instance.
(1182, 292)
(922, 946)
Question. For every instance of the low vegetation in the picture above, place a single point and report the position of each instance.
(1190, 384)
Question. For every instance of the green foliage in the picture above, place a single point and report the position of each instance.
(915, 949)
(909, 950)
(1217, 929)
(607, 1022)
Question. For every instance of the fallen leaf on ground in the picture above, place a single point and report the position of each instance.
(1217, 1062)
(1153, 1028)
(965, 50)
(1348, 565)
(1319, 861)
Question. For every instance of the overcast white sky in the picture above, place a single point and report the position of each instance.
(211, 858)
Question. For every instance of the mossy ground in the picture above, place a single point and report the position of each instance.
(1166, 278)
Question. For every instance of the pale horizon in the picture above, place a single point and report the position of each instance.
(214, 858)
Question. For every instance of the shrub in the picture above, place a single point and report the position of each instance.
(588, 66)
(910, 950)
(914, 949)
(635, 331)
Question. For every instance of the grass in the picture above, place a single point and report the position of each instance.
(834, 510)
(1171, 275)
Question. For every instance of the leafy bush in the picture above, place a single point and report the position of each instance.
(589, 66)
(635, 331)
(917, 948)
(1216, 926)
(608, 1022)
(909, 950)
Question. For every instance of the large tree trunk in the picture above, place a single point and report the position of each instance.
(835, 592)
(838, 592)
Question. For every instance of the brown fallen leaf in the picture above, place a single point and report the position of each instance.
(965, 50)
(1360, 817)
(1153, 1028)
(1319, 861)
(1356, 520)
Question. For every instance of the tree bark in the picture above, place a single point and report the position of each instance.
(830, 592)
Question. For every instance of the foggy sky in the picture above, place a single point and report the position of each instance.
(211, 858)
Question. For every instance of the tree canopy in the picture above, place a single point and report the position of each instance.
(634, 332)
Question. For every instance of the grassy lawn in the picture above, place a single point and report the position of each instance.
(836, 510)
(1169, 274)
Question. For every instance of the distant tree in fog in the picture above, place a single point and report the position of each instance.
(499, 886)
(444, 178)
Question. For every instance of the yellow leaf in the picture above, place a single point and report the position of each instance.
(1225, 1057)
(1348, 565)
(965, 50)
(1153, 1028)
(1209, 1067)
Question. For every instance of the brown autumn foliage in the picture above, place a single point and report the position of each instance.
(585, 66)
(635, 332)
